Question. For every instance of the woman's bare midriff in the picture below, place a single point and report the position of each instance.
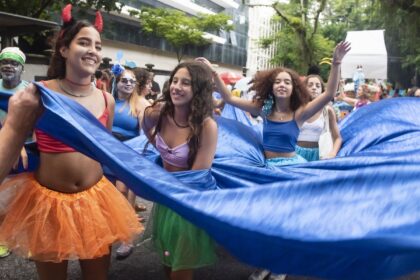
(172, 168)
(307, 144)
(270, 154)
(68, 172)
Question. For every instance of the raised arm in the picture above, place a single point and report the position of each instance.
(318, 103)
(335, 133)
(349, 100)
(250, 106)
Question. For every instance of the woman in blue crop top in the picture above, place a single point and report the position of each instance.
(130, 103)
(130, 96)
(181, 127)
(127, 106)
(284, 102)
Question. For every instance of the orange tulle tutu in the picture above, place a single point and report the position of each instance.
(46, 225)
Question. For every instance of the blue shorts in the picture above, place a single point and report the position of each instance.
(282, 161)
(310, 154)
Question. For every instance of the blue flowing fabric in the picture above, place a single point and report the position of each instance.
(353, 217)
(233, 113)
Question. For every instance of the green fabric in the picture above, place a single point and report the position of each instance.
(13, 56)
(180, 244)
(4, 251)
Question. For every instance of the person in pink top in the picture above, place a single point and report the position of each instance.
(181, 127)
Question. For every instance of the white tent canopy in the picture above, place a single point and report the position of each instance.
(367, 49)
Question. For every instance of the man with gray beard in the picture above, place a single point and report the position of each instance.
(12, 60)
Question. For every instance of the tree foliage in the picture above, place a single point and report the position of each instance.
(310, 29)
(402, 21)
(43, 9)
(50, 10)
(179, 29)
(399, 18)
(300, 43)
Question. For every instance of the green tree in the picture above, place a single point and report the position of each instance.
(402, 26)
(341, 16)
(50, 10)
(309, 27)
(300, 42)
(43, 9)
(400, 20)
(179, 29)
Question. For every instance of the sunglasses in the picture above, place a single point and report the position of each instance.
(125, 81)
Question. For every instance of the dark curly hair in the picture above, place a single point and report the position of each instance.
(57, 68)
(142, 76)
(263, 86)
(201, 105)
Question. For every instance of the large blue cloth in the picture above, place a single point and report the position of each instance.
(353, 217)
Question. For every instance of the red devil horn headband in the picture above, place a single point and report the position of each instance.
(66, 13)
(99, 24)
(67, 18)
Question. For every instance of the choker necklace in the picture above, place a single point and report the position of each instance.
(60, 84)
(180, 126)
(76, 84)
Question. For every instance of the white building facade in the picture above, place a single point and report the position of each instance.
(228, 49)
(260, 14)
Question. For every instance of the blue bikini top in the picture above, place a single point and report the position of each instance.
(125, 124)
(280, 137)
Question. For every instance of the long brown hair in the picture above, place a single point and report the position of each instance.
(263, 86)
(201, 105)
(57, 68)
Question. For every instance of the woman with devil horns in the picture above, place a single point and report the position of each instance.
(67, 209)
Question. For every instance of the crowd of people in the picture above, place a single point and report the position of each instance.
(85, 212)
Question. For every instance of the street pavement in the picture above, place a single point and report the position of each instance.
(144, 264)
